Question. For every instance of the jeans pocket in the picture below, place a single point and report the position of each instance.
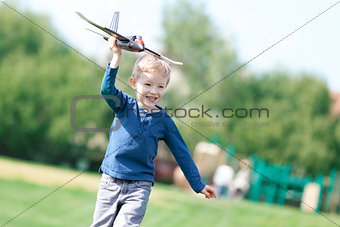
(144, 184)
(105, 180)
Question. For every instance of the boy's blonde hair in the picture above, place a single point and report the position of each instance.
(151, 64)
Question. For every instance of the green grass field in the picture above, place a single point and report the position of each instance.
(168, 207)
(23, 184)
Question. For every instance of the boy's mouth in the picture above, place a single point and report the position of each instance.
(151, 99)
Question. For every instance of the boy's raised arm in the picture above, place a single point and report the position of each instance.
(114, 97)
(116, 52)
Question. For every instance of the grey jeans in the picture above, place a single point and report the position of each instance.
(120, 202)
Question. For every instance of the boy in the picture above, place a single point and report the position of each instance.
(139, 124)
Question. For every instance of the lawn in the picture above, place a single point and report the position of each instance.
(168, 207)
(66, 207)
(23, 184)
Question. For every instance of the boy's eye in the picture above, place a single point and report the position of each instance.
(161, 86)
(147, 84)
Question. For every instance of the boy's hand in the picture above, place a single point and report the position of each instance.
(116, 51)
(209, 192)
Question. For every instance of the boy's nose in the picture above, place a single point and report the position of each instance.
(153, 90)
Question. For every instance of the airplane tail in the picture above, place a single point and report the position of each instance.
(114, 22)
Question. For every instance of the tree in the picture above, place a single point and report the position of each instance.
(191, 36)
(298, 128)
(39, 78)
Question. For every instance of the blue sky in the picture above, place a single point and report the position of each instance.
(252, 26)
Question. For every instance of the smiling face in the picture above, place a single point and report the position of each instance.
(150, 88)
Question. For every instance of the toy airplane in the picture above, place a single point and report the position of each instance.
(129, 43)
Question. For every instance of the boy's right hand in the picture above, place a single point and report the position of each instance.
(116, 51)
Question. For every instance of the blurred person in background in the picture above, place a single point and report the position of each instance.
(240, 184)
(222, 179)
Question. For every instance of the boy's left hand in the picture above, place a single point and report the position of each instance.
(209, 192)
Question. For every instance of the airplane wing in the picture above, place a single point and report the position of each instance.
(147, 50)
(106, 30)
(123, 38)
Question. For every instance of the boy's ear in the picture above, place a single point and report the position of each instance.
(133, 83)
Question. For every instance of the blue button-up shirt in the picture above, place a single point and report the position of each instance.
(134, 138)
